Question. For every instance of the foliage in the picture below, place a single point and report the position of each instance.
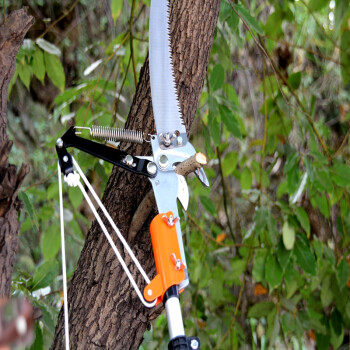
(268, 243)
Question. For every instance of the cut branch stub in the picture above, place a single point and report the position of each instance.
(191, 164)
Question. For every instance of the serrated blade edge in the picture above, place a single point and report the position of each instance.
(166, 107)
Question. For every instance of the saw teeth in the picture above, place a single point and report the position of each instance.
(165, 100)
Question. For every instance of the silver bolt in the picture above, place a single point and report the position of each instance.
(171, 220)
(59, 143)
(167, 140)
(179, 141)
(194, 344)
(149, 292)
(151, 168)
(129, 160)
(65, 159)
(163, 161)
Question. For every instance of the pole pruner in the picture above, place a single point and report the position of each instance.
(170, 147)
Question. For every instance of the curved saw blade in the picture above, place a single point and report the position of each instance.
(166, 108)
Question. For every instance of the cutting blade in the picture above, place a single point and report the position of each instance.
(166, 107)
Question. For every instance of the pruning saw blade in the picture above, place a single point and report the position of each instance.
(166, 108)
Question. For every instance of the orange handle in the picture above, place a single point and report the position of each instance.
(167, 256)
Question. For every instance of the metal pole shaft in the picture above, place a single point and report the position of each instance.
(174, 317)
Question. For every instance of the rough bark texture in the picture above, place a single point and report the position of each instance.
(105, 312)
(12, 33)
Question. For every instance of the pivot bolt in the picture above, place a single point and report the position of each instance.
(163, 161)
(151, 168)
(59, 143)
(149, 292)
(129, 160)
(194, 344)
(65, 159)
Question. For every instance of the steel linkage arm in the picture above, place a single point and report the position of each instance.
(115, 156)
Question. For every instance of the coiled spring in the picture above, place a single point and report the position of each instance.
(107, 133)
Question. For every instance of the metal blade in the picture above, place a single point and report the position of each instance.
(182, 192)
(166, 108)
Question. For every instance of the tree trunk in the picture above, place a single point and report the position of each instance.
(104, 311)
(12, 33)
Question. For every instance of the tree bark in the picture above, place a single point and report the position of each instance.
(104, 311)
(12, 33)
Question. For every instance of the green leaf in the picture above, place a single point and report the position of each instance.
(51, 242)
(116, 9)
(316, 321)
(208, 205)
(38, 65)
(260, 219)
(305, 257)
(283, 255)
(341, 9)
(83, 116)
(291, 163)
(343, 273)
(75, 196)
(12, 81)
(24, 73)
(323, 179)
(273, 26)
(291, 280)
(48, 47)
(29, 208)
(326, 291)
(321, 202)
(45, 275)
(272, 228)
(345, 56)
(217, 78)
(273, 272)
(317, 5)
(337, 329)
(246, 179)
(322, 341)
(52, 191)
(275, 329)
(229, 163)
(288, 235)
(230, 121)
(294, 80)
(259, 265)
(214, 129)
(261, 309)
(340, 174)
(49, 317)
(55, 70)
(248, 18)
(38, 342)
(303, 219)
(238, 267)
(225, 11)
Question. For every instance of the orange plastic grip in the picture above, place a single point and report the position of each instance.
(167, 256)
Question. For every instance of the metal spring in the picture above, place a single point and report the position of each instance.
(116, 134)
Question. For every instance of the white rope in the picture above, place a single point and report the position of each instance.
(64, 267)
(74, 180)
(110, 240)
(110, 220)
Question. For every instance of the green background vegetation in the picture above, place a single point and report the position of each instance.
(268, 242)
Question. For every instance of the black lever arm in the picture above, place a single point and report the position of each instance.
(109, 154)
